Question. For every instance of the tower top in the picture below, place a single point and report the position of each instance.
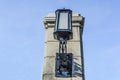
(58, 66)
(77, 20)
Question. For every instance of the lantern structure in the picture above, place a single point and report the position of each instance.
(63, 59)
(63, 25)
(63, 32)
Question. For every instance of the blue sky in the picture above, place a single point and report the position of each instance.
(22, 37)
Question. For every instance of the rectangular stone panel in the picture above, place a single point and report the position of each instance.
(51, 48)
(49, 65)
(76, 34)
(74, 47)
(47, 77)
(50, 36)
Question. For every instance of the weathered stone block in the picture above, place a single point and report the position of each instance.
(51, 48)
(74, 47)
(49, 65)
(50, 36)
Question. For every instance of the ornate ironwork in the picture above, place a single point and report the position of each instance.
(64, 64)
(62, 46)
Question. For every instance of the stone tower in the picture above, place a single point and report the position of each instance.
(74, 46)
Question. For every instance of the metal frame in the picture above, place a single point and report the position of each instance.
(61, 71)
(64, 33)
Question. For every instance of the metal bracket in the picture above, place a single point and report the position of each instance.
(62, 46)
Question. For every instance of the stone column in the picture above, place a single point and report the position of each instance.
(74, 46)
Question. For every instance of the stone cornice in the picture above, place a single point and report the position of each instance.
(77, 20)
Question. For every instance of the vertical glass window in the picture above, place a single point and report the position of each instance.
(63, 21)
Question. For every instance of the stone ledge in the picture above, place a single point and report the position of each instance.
(77, 20)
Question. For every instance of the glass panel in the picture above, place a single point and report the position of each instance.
(63, 21)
